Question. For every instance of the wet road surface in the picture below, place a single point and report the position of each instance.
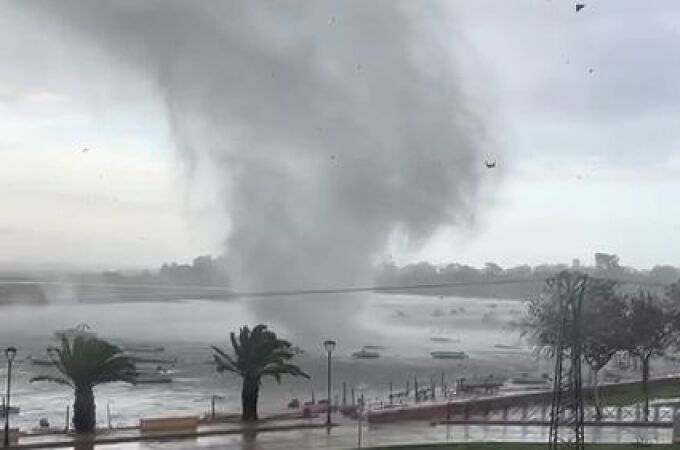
(346, 436)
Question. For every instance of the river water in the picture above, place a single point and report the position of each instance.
(404, 325)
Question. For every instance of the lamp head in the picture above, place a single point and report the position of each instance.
(10, 353)
(329, 346)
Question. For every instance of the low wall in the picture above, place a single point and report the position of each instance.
(13, 435)
(168, 423)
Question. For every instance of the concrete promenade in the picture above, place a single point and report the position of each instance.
(344, 436)
(306, 434)
(133, 434)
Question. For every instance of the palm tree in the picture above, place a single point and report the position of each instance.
(257, 353)
(84, 361)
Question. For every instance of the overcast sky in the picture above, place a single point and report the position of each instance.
(583, 108)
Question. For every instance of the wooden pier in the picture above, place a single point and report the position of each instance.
(523, 409)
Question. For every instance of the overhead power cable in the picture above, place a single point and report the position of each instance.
(204, 291)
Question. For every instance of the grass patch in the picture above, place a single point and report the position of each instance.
(628, 395)
(521, 446)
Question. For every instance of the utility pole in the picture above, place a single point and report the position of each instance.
(568, 290)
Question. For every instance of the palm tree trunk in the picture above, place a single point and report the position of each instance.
(645, 379)
(249, 394)
(84, 418)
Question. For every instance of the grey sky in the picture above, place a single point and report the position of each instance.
(587, 160)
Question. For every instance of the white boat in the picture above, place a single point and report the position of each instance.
(445, 340)
(526, 380)
(152, 378)
(148, 360)
(507, 347)
(142, 348)
(40, 361)
(365, 354)
(446, 354)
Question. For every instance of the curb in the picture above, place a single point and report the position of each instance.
(166, 436)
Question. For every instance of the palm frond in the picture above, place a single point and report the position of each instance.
(235, 345)
(225, 362)
(117, 368)
(257, 352)
(85, 360)
(244, 347)
(284, 369)
(51, 379)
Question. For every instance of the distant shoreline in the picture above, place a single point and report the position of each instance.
(159, 296)
(439, 293)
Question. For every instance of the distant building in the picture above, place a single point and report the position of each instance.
(575, 263)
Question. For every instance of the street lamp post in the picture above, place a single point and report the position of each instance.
(10, 353)
(329, 346)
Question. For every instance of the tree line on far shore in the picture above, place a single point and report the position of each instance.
(177, 280)
(523, 281)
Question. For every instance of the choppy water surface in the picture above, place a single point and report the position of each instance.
(404, 325)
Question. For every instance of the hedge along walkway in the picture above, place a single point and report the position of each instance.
(521, 446)
(619, 394)
(632, 393)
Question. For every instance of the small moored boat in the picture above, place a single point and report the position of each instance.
(446, 354)
(38, 361)
(507, 347)
(152, 378)
(444, 340)
(143, 348)
(144, 360)
(366, 354)
(526, 380)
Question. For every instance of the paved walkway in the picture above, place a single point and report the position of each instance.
(134, 436)
(287, 435)
(345, 437)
